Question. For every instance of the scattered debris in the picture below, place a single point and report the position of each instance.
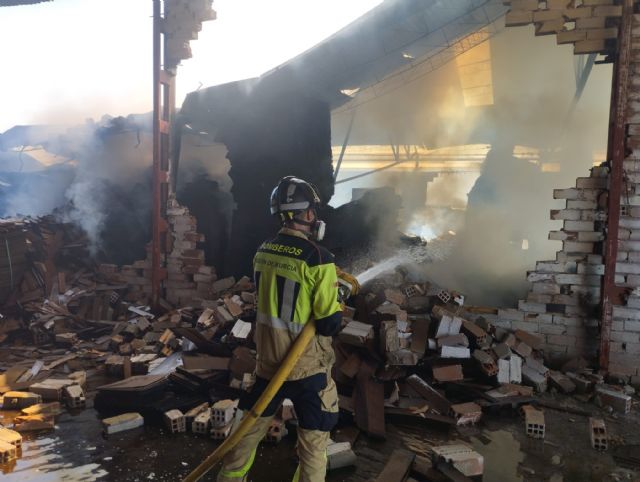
(464, 459)
(175, 421)
(598, 432)
(126, 421)
(534, 421)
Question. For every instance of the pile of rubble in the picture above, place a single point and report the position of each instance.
(408, 351)
(413, 351)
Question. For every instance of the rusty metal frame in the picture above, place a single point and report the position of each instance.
(615, 155)
(163, 109)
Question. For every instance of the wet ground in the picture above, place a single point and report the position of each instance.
(77, 451)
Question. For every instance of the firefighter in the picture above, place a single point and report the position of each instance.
(296, 281)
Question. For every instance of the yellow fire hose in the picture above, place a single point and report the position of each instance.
(252, 415)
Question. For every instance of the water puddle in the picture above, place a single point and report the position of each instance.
(66, 454)
(502, 455)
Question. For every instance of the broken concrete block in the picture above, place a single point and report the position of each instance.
(484, 324)
(206, 319)
(190, 415)
(515, 369)
(286, 411)
(532, 378)
(243, 284)
(510, 390)
(510, 340)
(522, 349)
(74, 397)
(233, 307)
(356, 333)
(222, 315)
(222, 412)
(8, 452)
(475, 334)
(11, 437)
(79, 377)
(402, 358)
(461, 457)
(392, 309)
(503, 371)
(241, 330)
(581, 383)
(51, 408)
(248, 297)
(450, 373)
(175, 421)
(598, 432)
(389, 336)
(339, 455)
(202, 422)
(459, 339)
(221, 433)
(448, 325)
(619, 401)
(466, 413)
(126, 421)
(537, 366)
(561, 382)
(413, 290)
(19, 400)
(277, 431)
(502, 350)
(487, 363)
(223, 284)
(444, 296)
(395, 296)
(32, 423)
(534, 422)
(534, 341)
(143, 324)
(455, 352)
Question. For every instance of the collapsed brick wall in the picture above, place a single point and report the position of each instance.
(590, 25)
(563, 303)
(190, 282)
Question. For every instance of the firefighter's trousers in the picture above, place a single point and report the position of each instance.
(315, 401)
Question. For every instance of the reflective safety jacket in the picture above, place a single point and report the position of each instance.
(296, 281)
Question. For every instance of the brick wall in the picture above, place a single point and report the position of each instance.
(590, 25)
(190, 282)
(563, 301)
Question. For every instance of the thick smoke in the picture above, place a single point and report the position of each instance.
(100, 179)
(507, 207)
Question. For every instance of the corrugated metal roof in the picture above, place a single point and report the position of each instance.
(394, 42)
(13, 3)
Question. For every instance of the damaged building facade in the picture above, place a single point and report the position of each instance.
(128, 291)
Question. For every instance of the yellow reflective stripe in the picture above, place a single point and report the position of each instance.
(242, 471)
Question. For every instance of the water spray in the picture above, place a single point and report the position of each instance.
(437, 250)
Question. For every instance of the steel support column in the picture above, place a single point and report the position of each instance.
(615, 155)
(163, 101)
